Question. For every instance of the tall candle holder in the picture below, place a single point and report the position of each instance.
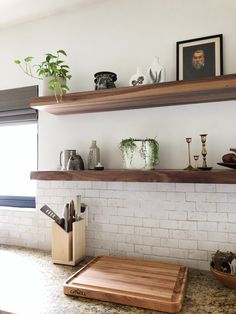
(204, 153)
(195, 157)
(188, 140)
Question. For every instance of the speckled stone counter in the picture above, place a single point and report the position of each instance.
(31, 283)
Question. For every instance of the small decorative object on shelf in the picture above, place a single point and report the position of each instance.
(75, 163)
(139, 153)
(156, 72)
(65, 155)
(94, 156)
(195, 157)
(229, 160)
(99, 166)
(190, 167)
(204, 153)
(105, 80)
(138, 78)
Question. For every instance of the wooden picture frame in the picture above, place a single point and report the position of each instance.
(200, 57)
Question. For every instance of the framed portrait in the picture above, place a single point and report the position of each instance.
(200, 57)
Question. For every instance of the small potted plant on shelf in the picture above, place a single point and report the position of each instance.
(52, 70)
(223, 267)
(139, 153)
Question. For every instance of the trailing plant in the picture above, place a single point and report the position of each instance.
(129, 146)
(53, 67)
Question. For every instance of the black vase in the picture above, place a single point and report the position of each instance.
(105, 80)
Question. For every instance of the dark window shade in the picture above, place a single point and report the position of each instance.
(17, 201)
(15, 105)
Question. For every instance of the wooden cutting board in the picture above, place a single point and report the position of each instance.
(148, 284)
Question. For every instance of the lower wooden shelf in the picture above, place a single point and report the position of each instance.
(162, 175)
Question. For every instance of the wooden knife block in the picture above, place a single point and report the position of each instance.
(68, 248)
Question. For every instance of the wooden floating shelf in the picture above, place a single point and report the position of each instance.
(171, 176)
(219, 88)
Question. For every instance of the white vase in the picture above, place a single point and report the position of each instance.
(138, 78)
(156, 72)
(47, 92)
(94, 156)
(141, 157)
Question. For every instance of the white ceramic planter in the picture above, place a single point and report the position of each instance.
(137, 159)
(46, 91)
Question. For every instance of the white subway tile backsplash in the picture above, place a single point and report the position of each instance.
(187, 244)
(165, 221)
(208, 245)
(217, 197)
(231, 188)
(202, 187)
(207, 226)
(187, 225)
(117, 220)
(143, 231)
(166, 187)
(232, 238)
(183, 187)
(218, 236)
(226, 207)
(160, 233)
(177, 215)
(149, 240)
(129, 212)
(197, 255)
(168, 224)
(232, 217)
(197, 216)
(160, 251)
(172, 243)
(150, 222)
(126, 229)
(217, 217)
(144, 249)
(206, 207)
(227, 227)
(134, 221)
(184, 206)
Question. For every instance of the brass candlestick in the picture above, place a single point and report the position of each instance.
(188, 140)
(204, 153)
(195, 157)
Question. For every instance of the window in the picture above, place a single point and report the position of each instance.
(18, 147)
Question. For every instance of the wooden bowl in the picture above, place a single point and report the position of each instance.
(226, 279)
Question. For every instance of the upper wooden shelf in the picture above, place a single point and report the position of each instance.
(217, 88)
(171, 176)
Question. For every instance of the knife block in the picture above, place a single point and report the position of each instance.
(68, 248)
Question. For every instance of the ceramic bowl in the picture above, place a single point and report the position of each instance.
(226, 279)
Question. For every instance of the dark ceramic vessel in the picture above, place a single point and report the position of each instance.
(104, 80)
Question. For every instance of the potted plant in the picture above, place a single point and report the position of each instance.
(223, 268)
(139, 153)
(52, 70)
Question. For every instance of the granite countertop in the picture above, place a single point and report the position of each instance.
(31, 283)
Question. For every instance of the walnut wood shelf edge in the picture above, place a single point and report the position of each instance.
(219, 88)
(171, 176)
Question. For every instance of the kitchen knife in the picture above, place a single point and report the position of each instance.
(66, 216)
(77, 207)
(50, 213)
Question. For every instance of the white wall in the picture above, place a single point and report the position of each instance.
(118, 36)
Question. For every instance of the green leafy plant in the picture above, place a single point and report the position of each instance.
(52, 67)
(128, 146)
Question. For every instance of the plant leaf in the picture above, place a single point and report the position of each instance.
(62, 52)
(17, 61)
(28, 59)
